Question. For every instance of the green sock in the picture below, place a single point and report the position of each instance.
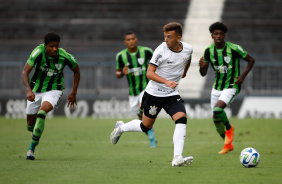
(219, 113)
(29, 128)
(38, 128)
(220, 128)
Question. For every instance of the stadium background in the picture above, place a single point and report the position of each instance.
(93, 32)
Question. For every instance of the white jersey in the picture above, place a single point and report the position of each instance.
(170, 66)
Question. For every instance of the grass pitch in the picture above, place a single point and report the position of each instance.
(79, 151)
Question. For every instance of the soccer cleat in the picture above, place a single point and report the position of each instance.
(229, 135)
(30, 155)
(152, 138)
(226, 148)
(179, 160)
(116, 133)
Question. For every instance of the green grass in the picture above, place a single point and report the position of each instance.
(79, 151)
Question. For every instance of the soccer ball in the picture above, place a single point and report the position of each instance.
(249, 157)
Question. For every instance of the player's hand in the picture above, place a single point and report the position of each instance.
(171, 84)
(201, 62)
(30, 96)
(72, 101)
(239, 80)
(125, 70)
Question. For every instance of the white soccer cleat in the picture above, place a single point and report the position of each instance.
(116, 133)
(30, 155)
(179, 160)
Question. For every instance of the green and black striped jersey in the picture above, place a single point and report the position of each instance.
(226, 64)
(137, 64)
(48, 74)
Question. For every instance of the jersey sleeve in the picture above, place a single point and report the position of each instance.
(157, 57)
(207, 55)
(33, 56)
(241, 52)
(72, 62)
(119, 62)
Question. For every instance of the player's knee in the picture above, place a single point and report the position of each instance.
(217, 110)
(182, 120)
(41, 114)
(144, 129)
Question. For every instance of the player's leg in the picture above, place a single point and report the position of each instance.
(136, 125)
(150, 133)
(31, 111)
(219, 126)
(225, 98)
(176, 110)
(49, 100)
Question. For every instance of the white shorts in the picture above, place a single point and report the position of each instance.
(50, 96)
(226, 95)
(134, 102)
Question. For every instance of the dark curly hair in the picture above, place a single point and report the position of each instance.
(218, 26)
(51, 36)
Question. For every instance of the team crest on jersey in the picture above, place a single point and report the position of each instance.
(58, 66)
(227, 59)
(153, 110)
(140, 61)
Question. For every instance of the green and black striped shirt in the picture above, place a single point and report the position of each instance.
(226, 64)
(48, 74)
(137, 64)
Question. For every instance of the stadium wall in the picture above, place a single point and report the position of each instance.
(249, 107)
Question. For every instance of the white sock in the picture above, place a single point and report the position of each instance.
(179, 138)
(132, 126)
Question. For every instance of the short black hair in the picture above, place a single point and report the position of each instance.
(218, 26)
(51, 36)
(129, 33)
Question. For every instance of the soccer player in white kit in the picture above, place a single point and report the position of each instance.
(169, 63)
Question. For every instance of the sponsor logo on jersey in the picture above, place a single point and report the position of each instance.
(158, 57)
(185, 59)
(221, 69)
(153, 110)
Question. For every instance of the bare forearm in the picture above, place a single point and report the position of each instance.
(155, 77)
(249, 67)
(25, 79)
(76, 79)
(187, 66)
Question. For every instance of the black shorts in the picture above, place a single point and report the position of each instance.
(152, 105)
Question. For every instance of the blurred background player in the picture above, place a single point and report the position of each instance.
(170, 63)
(133, 62)
(45, 86)
(224, 58)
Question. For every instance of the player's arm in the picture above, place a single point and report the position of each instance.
(251, 62)
(25, 78)
(76, 79)
(204, 66)
(121, 72)
(151, 74)
(186, 67)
